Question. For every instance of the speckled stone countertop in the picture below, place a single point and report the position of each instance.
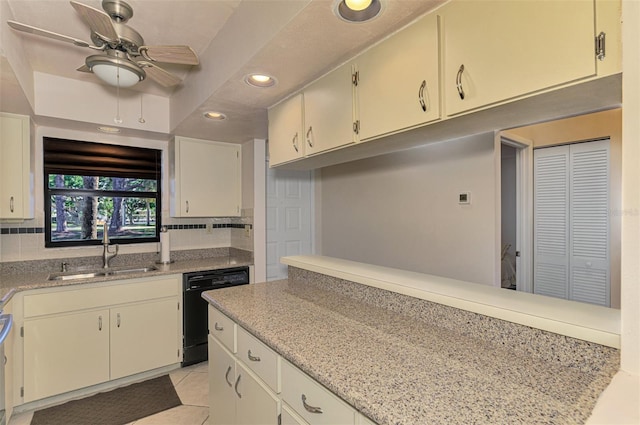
(401, 360)
(11, 283)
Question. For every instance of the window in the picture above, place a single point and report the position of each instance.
(91, 188)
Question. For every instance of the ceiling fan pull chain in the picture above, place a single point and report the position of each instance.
(141, 119)
(117, 119)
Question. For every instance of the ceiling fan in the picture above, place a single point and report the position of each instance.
(124, 59)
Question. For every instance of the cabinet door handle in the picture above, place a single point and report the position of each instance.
(459, 82)
(236, 386)
(118, 320)
(253, 358)
(226, 377)
(11, 204)
(99, 323)
(294, 141)
(218, 327)
(309, 408)
(423, 105)
(309, 139)
(187, 202)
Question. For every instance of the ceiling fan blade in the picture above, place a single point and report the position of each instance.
(170, 54)
(84, 68)
(159, 75)
(44, 33)
(99, 22)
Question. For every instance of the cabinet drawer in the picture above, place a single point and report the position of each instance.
(296, 386)
(222, 328)
(259, 358)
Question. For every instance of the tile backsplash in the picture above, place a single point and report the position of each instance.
(25, 241)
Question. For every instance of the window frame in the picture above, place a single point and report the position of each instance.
(49, 192)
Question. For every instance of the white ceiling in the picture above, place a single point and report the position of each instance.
(294, 40)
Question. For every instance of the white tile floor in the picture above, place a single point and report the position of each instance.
(191, 384)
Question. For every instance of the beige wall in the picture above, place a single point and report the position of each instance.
(401, 210)
(606, 124)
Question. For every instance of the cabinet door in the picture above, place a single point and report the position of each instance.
(289, 417)
(502, 49)
(14, 166)
(398, 84)
(256, 404)
(64, 353)
(328, 112)
(222, 377)
(208, 178)
(143, 337)
(286, 138)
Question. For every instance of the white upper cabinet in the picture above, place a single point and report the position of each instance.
(319, 119)
(398, 81)
(497, 50)
(15, 167)
(205, 178)
(286, 132)
(328, 112)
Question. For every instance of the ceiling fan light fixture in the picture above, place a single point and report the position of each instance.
(115, 71)
(358, 10)
(260, 80)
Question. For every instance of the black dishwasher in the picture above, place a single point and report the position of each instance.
(194, 311)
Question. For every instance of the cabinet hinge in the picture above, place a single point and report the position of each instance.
(22, 331)
(600, 46)
(355, 78)
(21, 391)
(356, 127)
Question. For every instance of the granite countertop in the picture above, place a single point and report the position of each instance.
(397, 369)
(11, 283)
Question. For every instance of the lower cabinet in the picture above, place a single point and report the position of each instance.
(139, 337)
(236, 395)
(65, 352)
(82, 337)
(255, 386)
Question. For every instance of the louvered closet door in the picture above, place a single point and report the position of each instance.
(551, 222)
(589, 218)
(571, 222)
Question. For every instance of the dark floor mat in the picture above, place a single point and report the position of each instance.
(115, 407)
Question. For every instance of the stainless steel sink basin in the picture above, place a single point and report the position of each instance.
(101, 273)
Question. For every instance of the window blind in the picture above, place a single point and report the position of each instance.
(72, 157)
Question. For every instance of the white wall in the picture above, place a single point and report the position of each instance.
(19, 247)
(630, 291)
(401, 210)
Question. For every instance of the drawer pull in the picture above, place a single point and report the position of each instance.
(236, 387)
(218, 327)
(226, 377)
(253, 358)
(308, 408)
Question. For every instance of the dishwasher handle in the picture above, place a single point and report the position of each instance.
(7, 322)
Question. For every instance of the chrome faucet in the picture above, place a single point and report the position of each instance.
(107, 255)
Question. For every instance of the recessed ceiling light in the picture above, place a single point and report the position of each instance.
(358, 10)
(260, 80)
(110, 130)
(213, 115)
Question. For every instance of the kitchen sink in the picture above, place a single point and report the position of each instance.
(101, 273)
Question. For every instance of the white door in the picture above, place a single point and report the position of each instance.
(289, 222)
(571, 222)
